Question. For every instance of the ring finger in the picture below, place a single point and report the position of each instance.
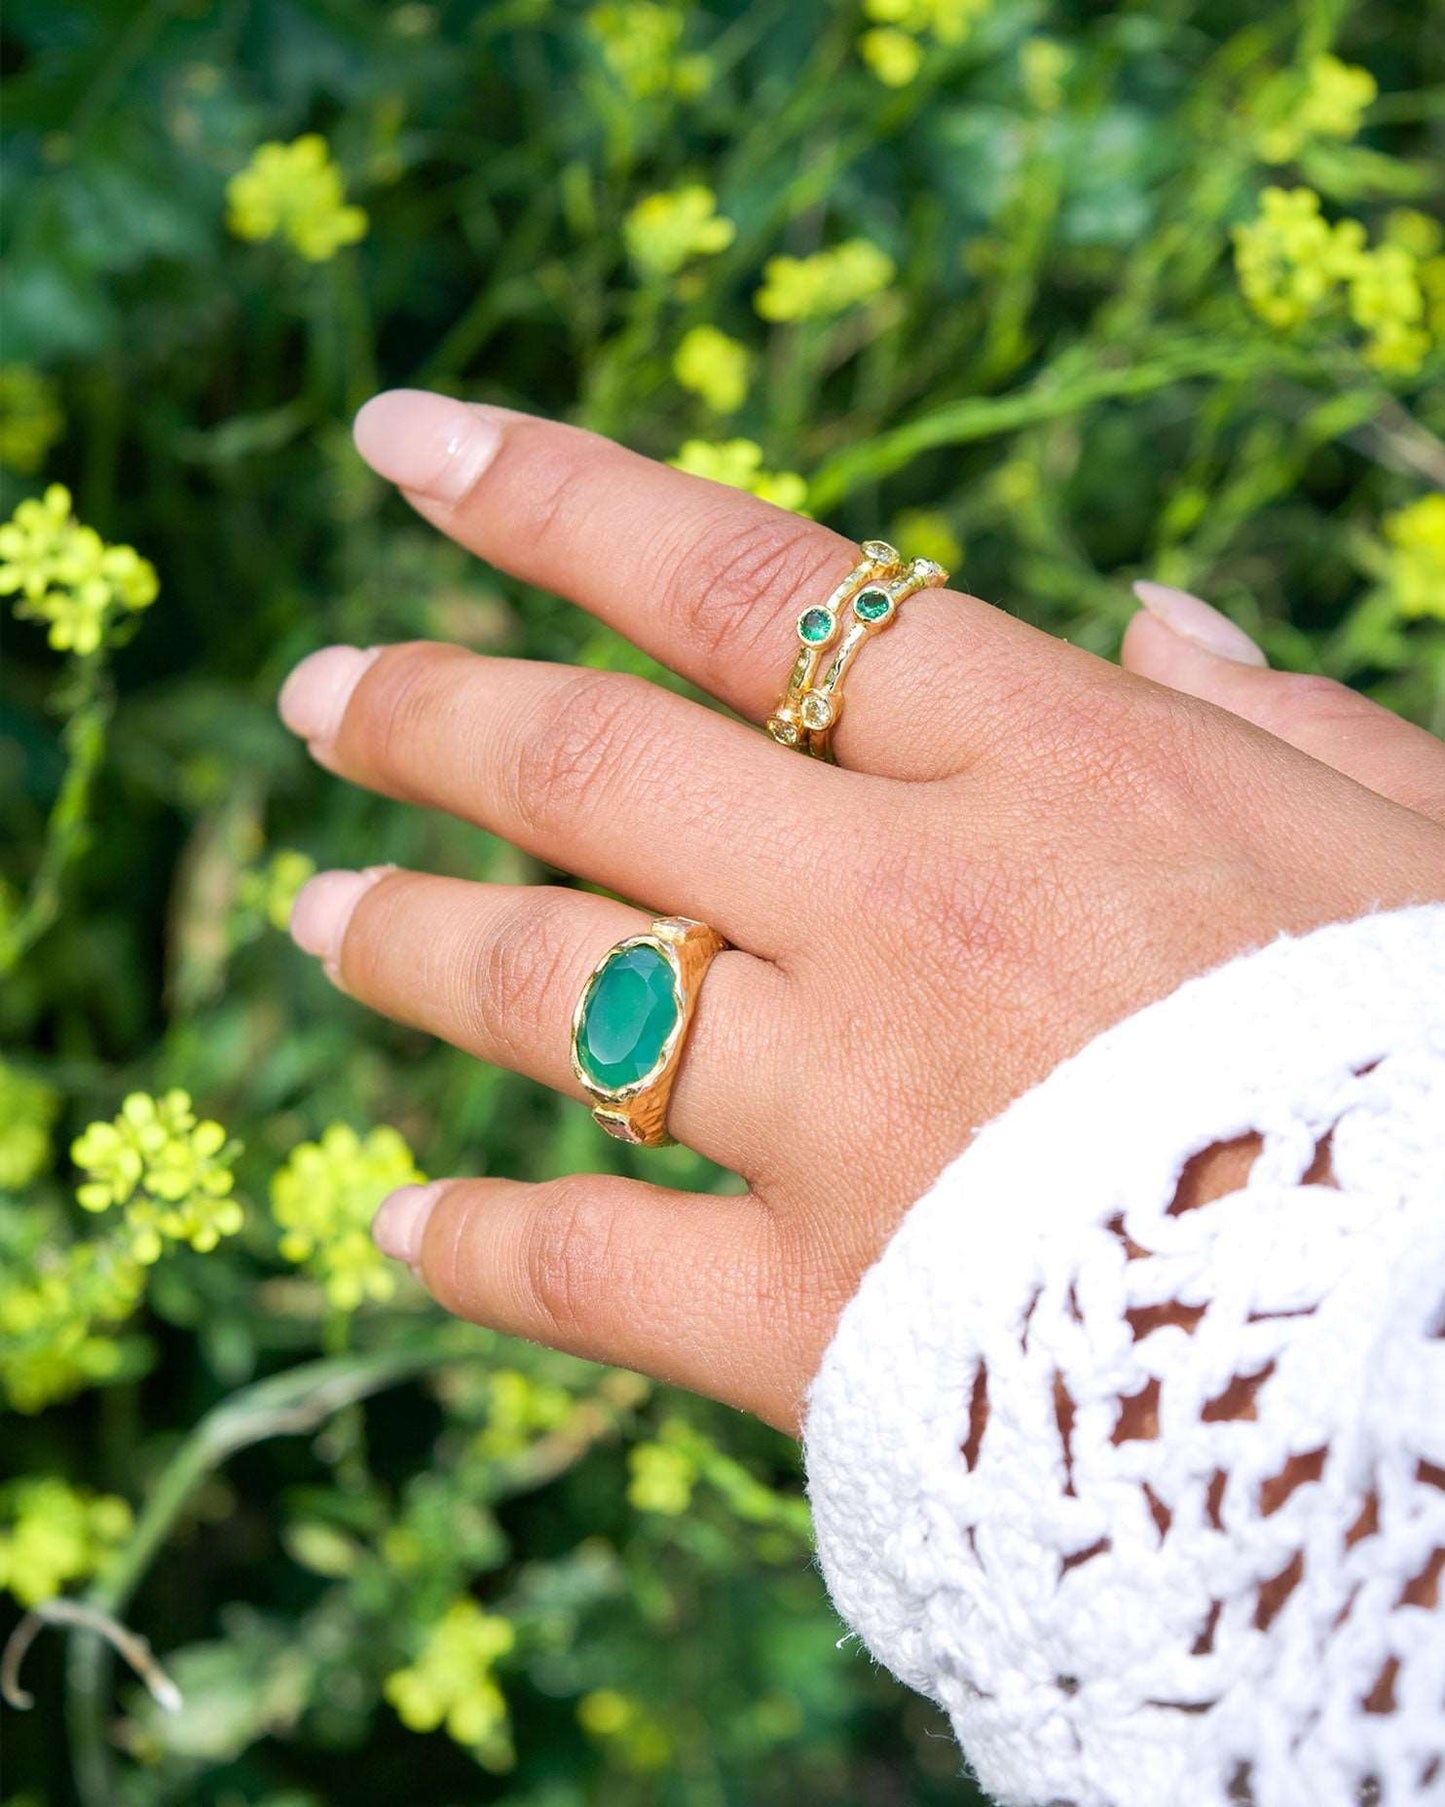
(497, 970)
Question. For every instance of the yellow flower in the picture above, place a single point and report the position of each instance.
(272, 889)
(662, 1479)
(294, 191)
(324, 1199)
(1331, 104)
(1043, 64)
(1386, 300)
(52, 1534)
(50, 1344)
(66, 575)
(948, 21)
(451, 1682)
(894, 56)
(30, 418)
(639, 42)
(663, 231)
(172, 1174)
(1417, 567)
(738, 463)
(925, 533)
(1418, 233)
(28, 1109)
(713, 366)
(1289, 259)
(828, 283)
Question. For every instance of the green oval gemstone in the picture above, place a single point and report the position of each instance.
(630, 1009)
(815, 625)
(872, 605)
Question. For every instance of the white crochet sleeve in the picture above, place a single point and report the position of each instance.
(1150, 1495)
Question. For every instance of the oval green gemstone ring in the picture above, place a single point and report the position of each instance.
(632, 1020)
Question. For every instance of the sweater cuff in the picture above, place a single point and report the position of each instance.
(1139, 1493)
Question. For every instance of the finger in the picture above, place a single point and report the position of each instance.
(600, 773)
(498, 969)
(1180, 641)
(685, 1287)
(707, 579)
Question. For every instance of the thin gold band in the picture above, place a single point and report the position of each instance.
(830, 637)
(672, 959)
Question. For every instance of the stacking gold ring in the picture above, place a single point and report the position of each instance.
(830, 636)
(631, 1023)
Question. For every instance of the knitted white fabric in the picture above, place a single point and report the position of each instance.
(1150, 1499)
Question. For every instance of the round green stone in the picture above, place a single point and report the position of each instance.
(630, 1009)
(872, 605)
(816, 625)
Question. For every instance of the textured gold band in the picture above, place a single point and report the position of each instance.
(631, 1023)
(830, 636)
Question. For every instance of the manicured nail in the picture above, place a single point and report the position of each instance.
(428, 444)
(399, 1225)
(323, 908)
(314, 698)
(1194, 620)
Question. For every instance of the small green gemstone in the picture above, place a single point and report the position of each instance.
(872, 605)
(630, 1010)
(816, 625)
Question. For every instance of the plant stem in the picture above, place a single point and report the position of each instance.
(288, 1404)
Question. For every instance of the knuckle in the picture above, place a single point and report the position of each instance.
(520, 970)
(561, 490)
(398, 697)
(1288, 697)
(728, 592)
(580, 745)
(570, 1259)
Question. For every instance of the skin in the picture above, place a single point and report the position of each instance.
(1021, 845)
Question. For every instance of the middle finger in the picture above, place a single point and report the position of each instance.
(599, 773)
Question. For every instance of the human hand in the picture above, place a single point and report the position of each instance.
(1022, 845)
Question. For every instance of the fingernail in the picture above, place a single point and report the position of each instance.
(314, 698)
(1194, 620)
(323, 908)
(428, 444)
(400, 1223)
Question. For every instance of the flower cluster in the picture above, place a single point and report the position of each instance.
(451, 1682)
(825, 284)
(53, 1320)
(665, 231)
(925, 533)
(1295, 268)
(519, 1409)
(639, 41)
(66, 574)
(1417, 565)
(324, 1199)
(739, 464)
(270, 890)
(893, 45)
(1329, 100)
(28, 1109)
(52, 1534)
(294, 191)
(171, 1174)
(713, 366)
(623, 1723)
(666, 1472)
(30, 418)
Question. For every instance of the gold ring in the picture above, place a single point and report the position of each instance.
(830, 636)
(632, 1020)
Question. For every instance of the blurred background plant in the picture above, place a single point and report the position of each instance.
(1057, 294)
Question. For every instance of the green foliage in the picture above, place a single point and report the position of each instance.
(1058, 295)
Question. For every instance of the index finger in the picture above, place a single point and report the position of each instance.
(707, 579)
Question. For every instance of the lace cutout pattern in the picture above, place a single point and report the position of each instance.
(1147, 1487)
